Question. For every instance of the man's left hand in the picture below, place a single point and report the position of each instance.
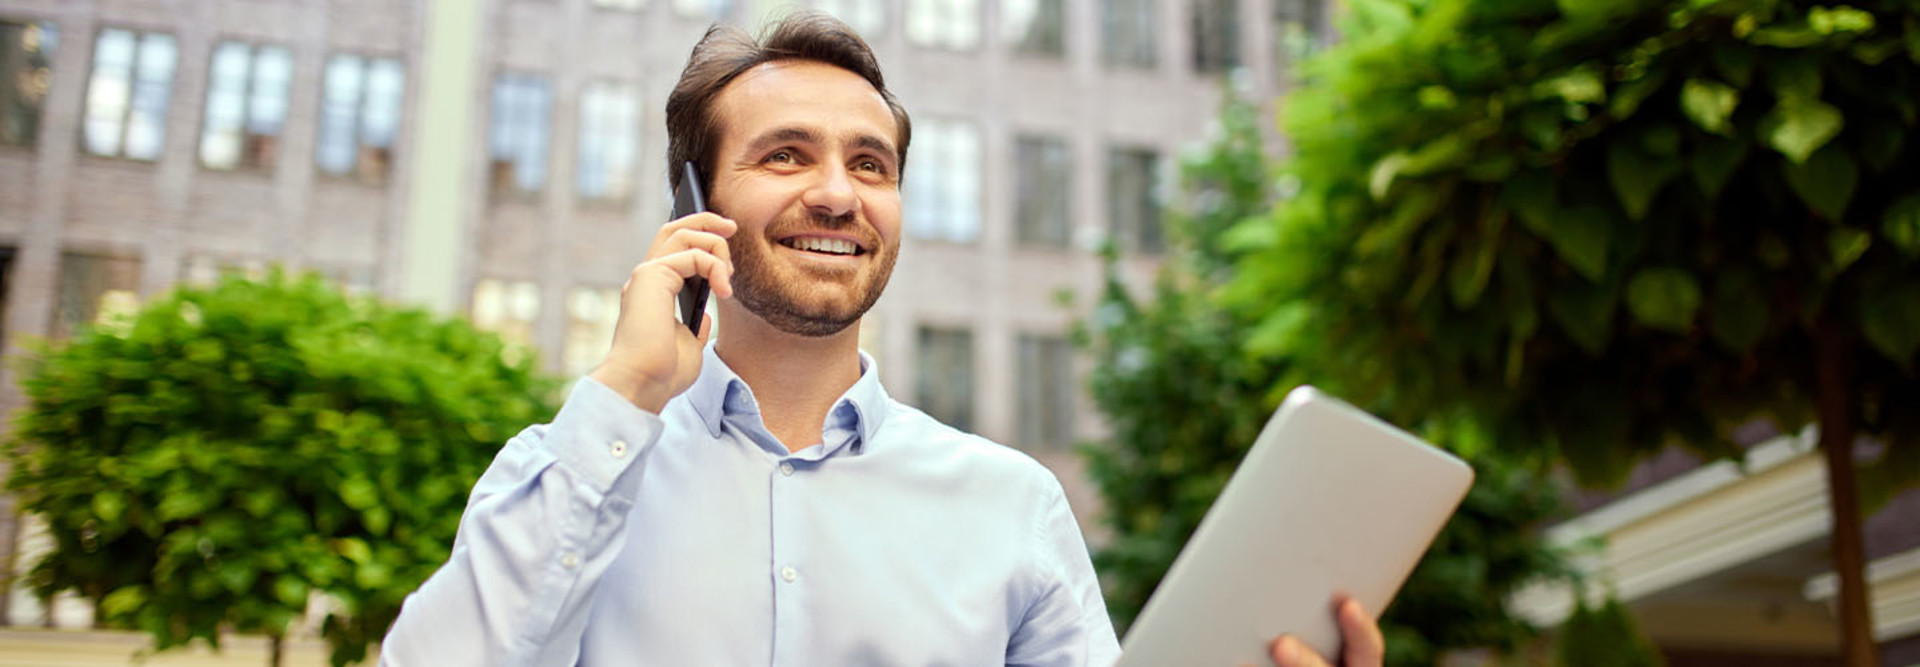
(1362, 645)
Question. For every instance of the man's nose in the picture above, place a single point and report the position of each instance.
(832, 193)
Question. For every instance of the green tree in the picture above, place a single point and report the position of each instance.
(1599, 227)
(216, 459)
(1162, 364)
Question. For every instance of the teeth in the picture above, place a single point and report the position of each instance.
(829, 246)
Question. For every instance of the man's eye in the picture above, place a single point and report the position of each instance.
(780, 156)
(872, 165)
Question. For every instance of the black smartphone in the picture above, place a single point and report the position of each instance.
(688, 199)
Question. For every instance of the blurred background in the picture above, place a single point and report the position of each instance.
(499, 161)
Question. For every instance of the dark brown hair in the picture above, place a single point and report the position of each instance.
(726, 51)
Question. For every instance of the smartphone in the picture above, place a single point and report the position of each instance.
(688, 199)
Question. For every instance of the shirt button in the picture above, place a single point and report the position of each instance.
(619, 449)
(569, 560)
(786, 469)
(789, 574)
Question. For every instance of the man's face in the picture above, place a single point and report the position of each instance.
(808, 167)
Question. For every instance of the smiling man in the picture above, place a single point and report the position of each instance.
(762, 500)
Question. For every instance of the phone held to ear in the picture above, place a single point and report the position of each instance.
(688, 199)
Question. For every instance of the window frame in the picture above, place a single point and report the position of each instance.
(931, 136)
(133, 81)
(241, 163)
(1110, 57)
(356, 130)
(1133, 240)
(1018, 45)
(1025, 232)
(31, 142)
(635, 136)
(516, 193)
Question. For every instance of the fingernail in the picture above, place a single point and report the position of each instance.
(1289, 650)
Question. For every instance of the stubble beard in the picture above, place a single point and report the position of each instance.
(785, 306)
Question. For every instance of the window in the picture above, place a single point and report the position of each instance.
(1047, 388)
(517, 140)
(944, 386)
(633, 5)
(1297, 31)
(1035, 27)
(942, 197)
(1216, 35)
(866, 17)
(26, 73)
(246, 105)
(1043, 181)
(94, 289)
(507, 308)
(1126, 33)
(945, 24)
(360, 117)
(591, 314)
(703, 9)
(609, 141)
(127, 95)
(1133, 199)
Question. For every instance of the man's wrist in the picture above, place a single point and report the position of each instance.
(649, 396)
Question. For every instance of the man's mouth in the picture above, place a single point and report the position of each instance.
(823, 245)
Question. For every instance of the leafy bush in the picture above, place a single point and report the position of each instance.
(216, 459)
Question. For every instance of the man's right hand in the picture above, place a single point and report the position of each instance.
(654, 357)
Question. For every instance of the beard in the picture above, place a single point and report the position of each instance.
(794, 304)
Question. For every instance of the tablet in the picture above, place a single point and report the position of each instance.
(1329, 500)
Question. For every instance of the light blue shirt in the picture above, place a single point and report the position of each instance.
(617, 537)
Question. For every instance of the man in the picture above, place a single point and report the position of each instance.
(762, 500)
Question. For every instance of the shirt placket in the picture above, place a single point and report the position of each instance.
(788, 561)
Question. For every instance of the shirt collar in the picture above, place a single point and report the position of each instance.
(719, 393)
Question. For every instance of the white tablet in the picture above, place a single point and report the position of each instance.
(1329, 500)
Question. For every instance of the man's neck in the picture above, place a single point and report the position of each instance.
(795, 379)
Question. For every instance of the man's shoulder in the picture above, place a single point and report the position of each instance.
(911, 428)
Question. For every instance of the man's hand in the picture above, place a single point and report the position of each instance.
(654, 357)
(1360, 636)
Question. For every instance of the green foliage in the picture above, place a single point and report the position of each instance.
(1605, 637)
(1700, 187)
(1185, 401)
(230, 451)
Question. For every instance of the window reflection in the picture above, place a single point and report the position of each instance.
(127, 95)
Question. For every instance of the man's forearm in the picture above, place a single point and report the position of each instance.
(543, 525)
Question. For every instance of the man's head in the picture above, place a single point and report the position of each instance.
(796, 139)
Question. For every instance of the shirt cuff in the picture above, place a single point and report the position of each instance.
(599, 434)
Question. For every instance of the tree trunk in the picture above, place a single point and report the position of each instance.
(1834, 393)
(276, 650)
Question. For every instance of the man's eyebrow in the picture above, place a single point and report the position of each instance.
(876, 144)
(781, 136)
(802, 135)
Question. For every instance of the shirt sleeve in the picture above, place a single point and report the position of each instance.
(1066, 625)
(542, 526)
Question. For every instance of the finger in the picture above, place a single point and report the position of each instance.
(1365, 647)
(669, 273)
(691, 238)
(704, 221)
(1289, 651)
(706, 329)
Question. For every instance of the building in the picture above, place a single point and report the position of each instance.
(503, 158)
(1726, 563)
